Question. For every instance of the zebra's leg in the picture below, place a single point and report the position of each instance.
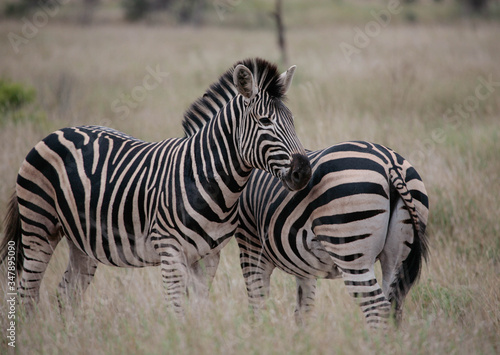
(175, 273)
(365, 289)
(203, 274)
(78, 275)
(39, 238)
(255, 265)
(37, 252)
(396, 250)
(257, 272)
(258, 284)
(306, 293)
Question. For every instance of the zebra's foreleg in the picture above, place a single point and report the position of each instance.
(257, 275)
(365, 289)
(306, 293)
(175, 274)
(255, 266)
(77, 277)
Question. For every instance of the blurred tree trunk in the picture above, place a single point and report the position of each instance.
(478, 5)
(89, 7)
(475, 6)
(161, 4)
(278, 14)
(191, 11)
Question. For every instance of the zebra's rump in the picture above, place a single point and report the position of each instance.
(347, 201)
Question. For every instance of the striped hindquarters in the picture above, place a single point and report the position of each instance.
(340, 221)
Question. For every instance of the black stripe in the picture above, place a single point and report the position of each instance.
(341, 240)
(348, 258)
(366, 294)
(370, 282)
(346, 217)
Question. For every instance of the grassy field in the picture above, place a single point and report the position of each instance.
(412, 87)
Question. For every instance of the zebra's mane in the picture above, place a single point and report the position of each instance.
(222, 91)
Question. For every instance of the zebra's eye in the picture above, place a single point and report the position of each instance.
(265, 121)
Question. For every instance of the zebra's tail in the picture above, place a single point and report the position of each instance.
(410, 268)
(12, 236)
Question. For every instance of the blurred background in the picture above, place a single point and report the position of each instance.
(251, 14)
(420, 76)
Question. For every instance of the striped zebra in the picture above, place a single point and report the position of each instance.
(129, 203)
(364, 203)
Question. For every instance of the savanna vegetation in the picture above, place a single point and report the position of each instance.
(426, 83)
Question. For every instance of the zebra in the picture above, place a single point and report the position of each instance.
(364, 203)
(125, 202)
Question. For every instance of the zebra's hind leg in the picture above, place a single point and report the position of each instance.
(78, 275)
(399, 260)
(39, 238)
(365, 289)
(306, 293)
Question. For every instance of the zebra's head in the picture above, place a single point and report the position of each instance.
(267, 137)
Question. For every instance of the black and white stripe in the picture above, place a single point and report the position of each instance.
(129, 203)
(363, 203)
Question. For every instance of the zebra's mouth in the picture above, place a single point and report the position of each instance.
(298, 174)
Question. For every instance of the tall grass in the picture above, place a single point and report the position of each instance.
(394, 92)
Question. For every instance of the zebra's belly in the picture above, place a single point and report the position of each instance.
(210, 240)
(308, 266)
(126, 245)
(114, 246)
(303, 256)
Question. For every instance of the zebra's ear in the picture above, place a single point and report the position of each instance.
(286, 78)
(244, 82)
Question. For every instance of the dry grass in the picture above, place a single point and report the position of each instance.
(394, 92)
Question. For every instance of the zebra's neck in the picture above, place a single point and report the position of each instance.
(215, 158)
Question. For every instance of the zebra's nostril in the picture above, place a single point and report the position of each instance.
(300, 172)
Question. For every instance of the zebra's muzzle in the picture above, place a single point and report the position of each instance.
(299, 173)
